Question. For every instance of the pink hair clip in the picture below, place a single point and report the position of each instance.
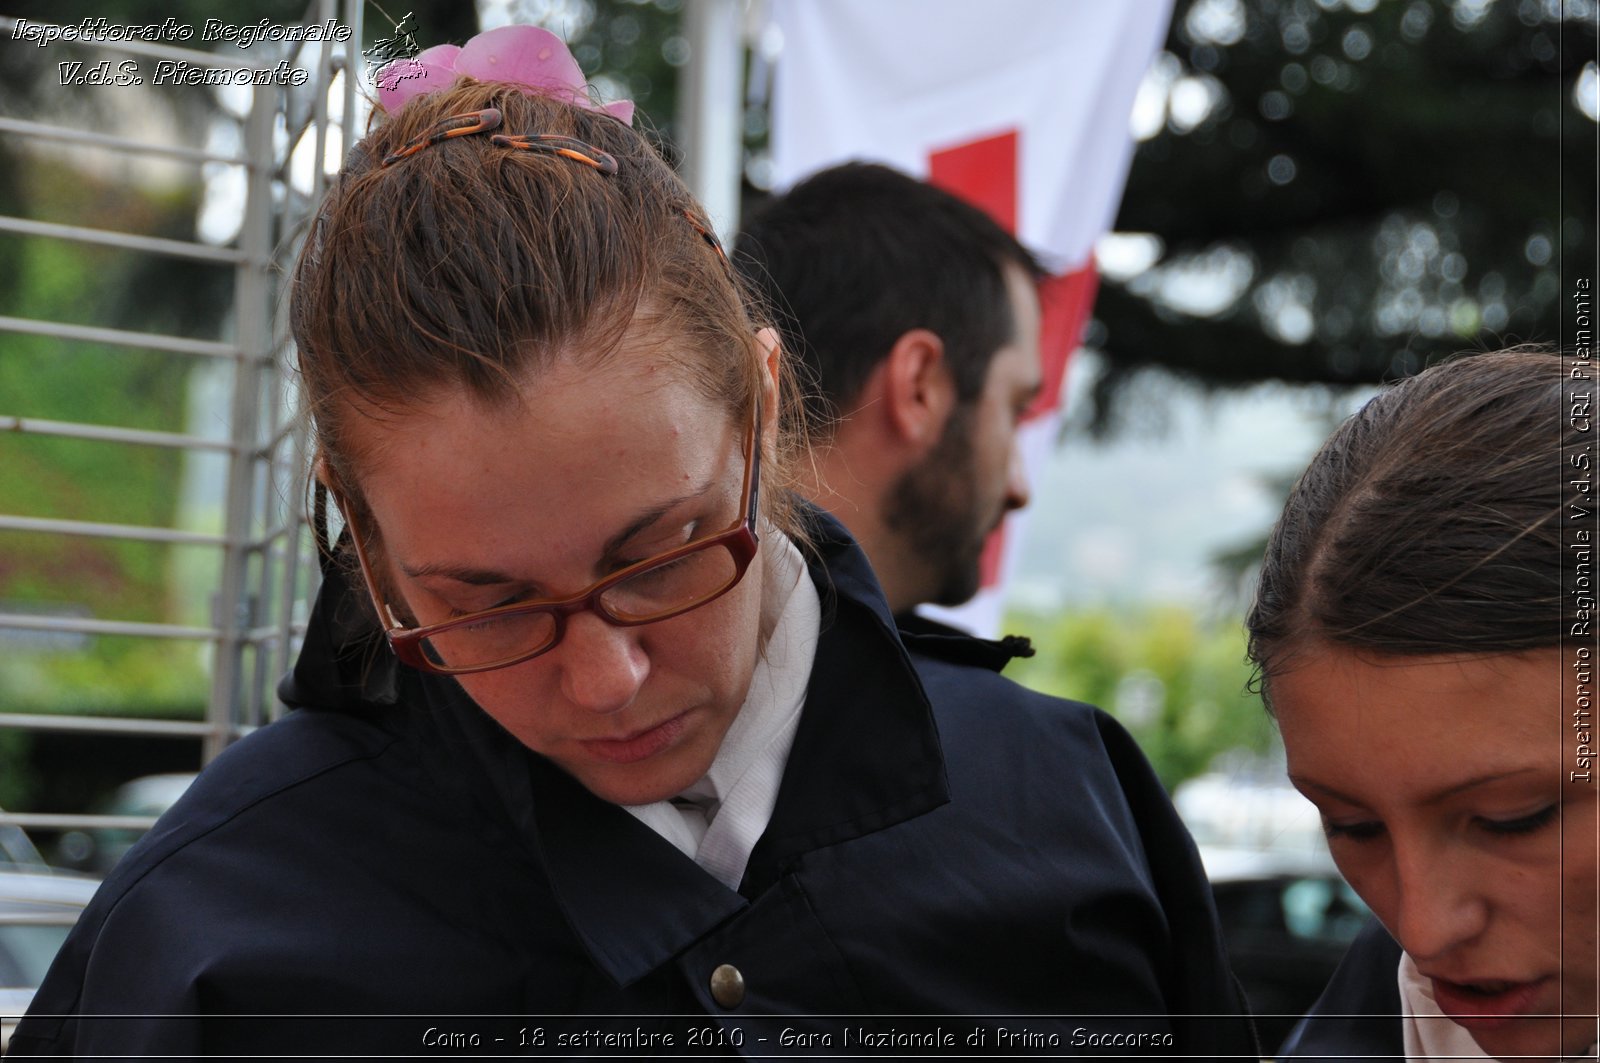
(526, 55)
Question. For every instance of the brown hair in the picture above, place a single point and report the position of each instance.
(472, 265)
(1430, 522)
(857, 255)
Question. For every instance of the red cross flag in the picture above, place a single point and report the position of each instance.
(1019, 106)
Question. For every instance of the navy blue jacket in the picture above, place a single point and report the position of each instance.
(1358, 1015)
(953, 861)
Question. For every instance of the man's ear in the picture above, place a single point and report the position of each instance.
(918, 390)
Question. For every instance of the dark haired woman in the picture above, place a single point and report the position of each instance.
(600, 732)
(1412, 638)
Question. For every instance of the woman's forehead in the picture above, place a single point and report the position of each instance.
(581, 454)
(614, 398)
(1402, 723)
(646, 354)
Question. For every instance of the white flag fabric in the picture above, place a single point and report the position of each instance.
(1020, 106)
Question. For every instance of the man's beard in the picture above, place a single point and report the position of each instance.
(932, 508)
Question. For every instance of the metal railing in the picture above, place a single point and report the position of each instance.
(265, 568)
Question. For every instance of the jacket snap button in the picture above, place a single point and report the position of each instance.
(727, 986)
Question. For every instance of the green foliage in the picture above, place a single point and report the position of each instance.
(635, 44)
(113, 677)
(16, 769)
(1177, 683)
(58, 478)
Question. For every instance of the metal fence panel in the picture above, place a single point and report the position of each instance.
(265, 570)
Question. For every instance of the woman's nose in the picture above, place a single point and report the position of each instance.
(603, 665)
(1441, 904)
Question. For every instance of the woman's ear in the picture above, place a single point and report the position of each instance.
(322, 472)
(771, 390)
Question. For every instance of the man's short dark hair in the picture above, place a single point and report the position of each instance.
(857, 255)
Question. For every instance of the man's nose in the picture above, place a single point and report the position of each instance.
(1018, 493)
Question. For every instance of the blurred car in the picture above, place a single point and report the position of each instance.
(17, 849)
(37, 909)
(98, 849)
(1287, 915)
(1287, 923)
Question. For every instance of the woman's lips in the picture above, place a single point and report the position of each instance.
(638, 746)
(1471, 1007)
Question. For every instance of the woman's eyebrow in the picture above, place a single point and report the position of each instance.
(1479, 780)
(477, 577)
(651, 515)
(1302, 784)
(485, 577)
(1434, 798)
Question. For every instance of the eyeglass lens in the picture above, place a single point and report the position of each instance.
(654, 593)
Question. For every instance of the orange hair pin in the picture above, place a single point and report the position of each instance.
(488, 120)
(566, 147)
(707, 235)
(457, 125)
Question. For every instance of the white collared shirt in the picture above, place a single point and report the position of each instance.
(718, 820)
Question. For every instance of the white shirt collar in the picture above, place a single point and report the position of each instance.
(727, 810)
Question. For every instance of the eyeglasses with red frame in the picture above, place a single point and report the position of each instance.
(657, 588)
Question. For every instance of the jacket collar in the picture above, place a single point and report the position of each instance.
(866, 756)
(926, 635)
(343, 661)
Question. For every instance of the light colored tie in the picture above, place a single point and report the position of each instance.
(737, 825)
(697, 813)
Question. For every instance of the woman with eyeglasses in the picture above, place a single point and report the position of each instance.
(1423, 631)
(602, 735)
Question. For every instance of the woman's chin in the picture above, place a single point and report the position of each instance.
(642, 780)
(636, 787)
